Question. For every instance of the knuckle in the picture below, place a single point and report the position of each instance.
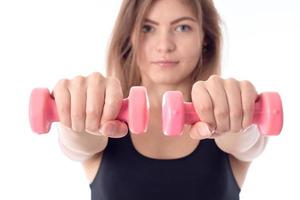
(78, 81)
(96, 78)
(61, 84)
(96, 74)
(231, 81)
(79, 78)
(113, 82)
(247, 85)
(196, 87)
(198, 84)
(214, 81)
(214, 78)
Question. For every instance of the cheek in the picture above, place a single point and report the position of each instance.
(144, 52)
(191, 51)
(141, 56)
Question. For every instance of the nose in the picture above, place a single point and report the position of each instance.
(165, 42)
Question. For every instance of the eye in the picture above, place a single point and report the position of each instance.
(147, 28)
(183, 28)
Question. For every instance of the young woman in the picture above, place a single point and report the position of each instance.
(162, 45)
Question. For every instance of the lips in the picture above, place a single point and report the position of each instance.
(166, 62)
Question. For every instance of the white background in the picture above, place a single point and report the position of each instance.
(44, 41)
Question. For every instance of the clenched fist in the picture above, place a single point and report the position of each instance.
(224, 105)
(90, 104)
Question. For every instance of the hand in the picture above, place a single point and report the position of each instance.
(86, 104)
(223, 105)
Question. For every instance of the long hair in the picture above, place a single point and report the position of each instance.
(122, 54)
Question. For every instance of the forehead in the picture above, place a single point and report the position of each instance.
(167, 10)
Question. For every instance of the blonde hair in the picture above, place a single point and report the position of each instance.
(121, 60)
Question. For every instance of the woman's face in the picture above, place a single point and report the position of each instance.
(171, 43)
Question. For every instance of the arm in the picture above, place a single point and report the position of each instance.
(244, 146)
(80, 146)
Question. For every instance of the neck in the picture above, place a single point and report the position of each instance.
(155, 94)
(156, 91)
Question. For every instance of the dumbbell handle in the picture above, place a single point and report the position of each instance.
(43, 110)
(268, 108)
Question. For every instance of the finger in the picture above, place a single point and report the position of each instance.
(62, 98)
(249, 95)
(233, 92)
(113, 103)
(200, 130)
(202, 103)
(78, 103)
(114, 129)
(218, 95)
(94, 102)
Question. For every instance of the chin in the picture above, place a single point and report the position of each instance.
(167, 80)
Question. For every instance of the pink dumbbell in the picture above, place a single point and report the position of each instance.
(268, 113)
(134, 110)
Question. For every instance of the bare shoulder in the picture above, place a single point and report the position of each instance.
(91, 166)
(240, 169)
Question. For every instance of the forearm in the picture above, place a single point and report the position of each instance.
(245, 146)
(80, 146)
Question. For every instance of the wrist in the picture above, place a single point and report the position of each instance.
(253, 152)
(80, 146)
(236, 143)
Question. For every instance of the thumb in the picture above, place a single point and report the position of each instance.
(200, 130)
(114, 129)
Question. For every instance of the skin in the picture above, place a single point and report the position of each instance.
(225, 105)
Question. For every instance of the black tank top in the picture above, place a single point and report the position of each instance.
(125, 174)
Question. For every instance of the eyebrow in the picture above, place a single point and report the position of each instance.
(172, 22)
